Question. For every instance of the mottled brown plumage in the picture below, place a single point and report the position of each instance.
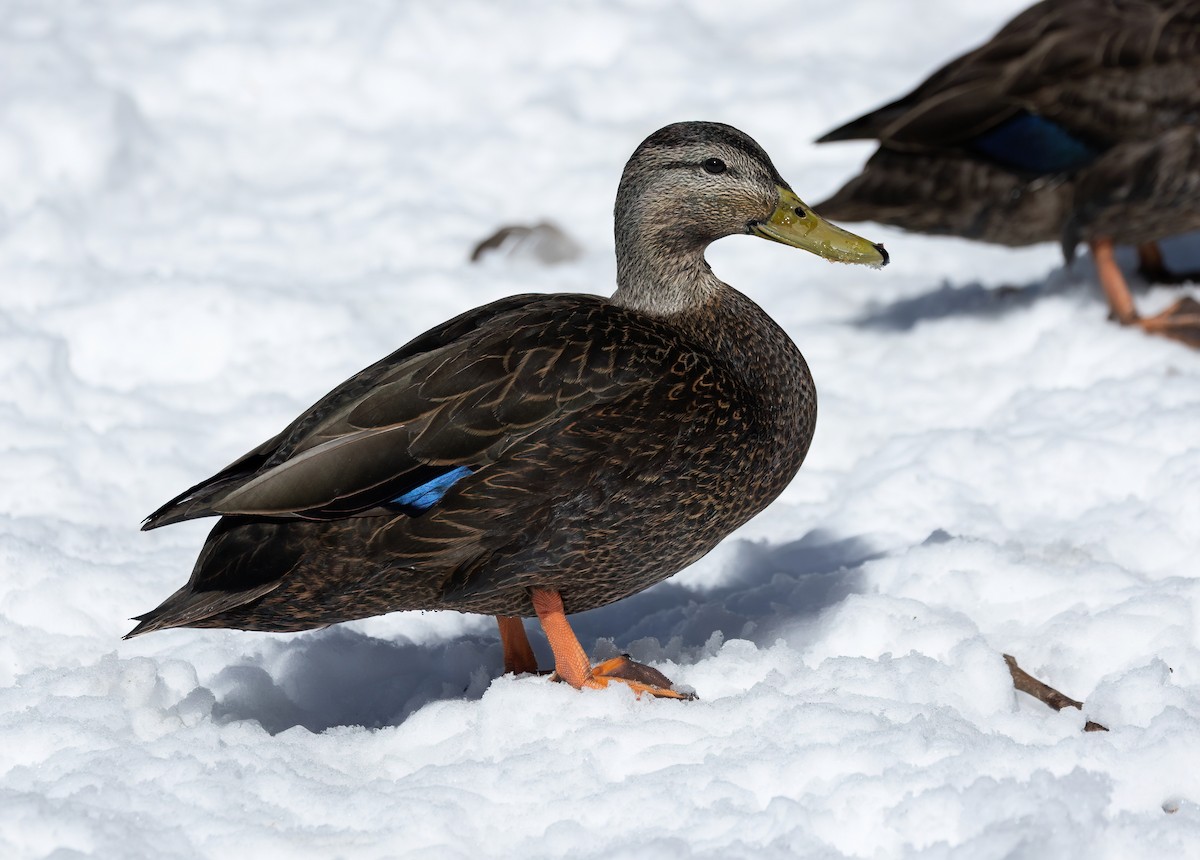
(610, 442)
(1078, 122)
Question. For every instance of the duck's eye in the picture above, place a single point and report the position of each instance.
(714, 165)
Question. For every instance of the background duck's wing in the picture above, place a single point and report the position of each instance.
(969, 92)
(397, 435)
(1057, 85)
(1139, 192)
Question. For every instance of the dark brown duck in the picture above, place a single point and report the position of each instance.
(540, 455)
(1078, 122)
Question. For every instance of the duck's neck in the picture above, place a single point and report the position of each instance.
(662, 275)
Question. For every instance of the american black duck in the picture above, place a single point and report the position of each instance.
(540, 455)
(1078, 122)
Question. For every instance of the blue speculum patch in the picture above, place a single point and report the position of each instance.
(427, 495)
(1033, 143)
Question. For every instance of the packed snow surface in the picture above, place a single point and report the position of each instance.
(211, 213)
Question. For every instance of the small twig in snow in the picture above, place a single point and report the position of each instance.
(1026, 683)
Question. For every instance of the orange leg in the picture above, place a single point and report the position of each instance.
(571, 664)
(518, 655)
(1180, 322)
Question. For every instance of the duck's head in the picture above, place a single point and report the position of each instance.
(691, 183)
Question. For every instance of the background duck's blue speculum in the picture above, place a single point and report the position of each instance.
(1034, 143)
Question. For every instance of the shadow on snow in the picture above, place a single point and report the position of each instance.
(1182, 254)
(340, 676)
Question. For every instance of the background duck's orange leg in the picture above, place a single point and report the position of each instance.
(1181, 321)
(1153, 267)
(1113, 282)
(518, 654)
(571, 662)
(1150, 263)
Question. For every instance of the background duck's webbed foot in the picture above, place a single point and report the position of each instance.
(1026, 683)
(572, 665)
(1181, 322)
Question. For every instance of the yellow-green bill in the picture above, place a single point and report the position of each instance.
(793, 223)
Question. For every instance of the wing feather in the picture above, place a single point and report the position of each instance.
(461, 400)
(1064, 60)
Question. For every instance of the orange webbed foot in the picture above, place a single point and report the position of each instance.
(637, 676)
(572, 665)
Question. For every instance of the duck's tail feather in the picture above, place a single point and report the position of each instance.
(188, 608)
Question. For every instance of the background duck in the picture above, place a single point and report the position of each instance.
(543, 454)
(1078, 122)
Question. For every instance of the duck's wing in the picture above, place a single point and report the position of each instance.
(197, 501)
(1053, 89)
(397, 435)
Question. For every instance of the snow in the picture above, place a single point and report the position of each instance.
(213, 212)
